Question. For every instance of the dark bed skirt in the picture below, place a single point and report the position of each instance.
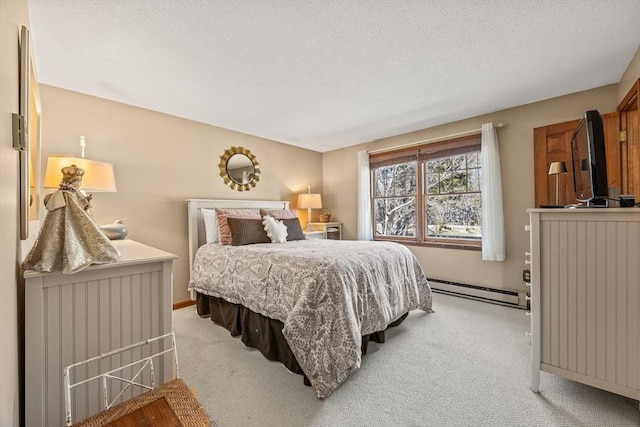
(263, 333)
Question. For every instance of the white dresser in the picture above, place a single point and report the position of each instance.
(585, 298)
(73, 317)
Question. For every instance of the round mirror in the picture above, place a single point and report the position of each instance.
(239, 169)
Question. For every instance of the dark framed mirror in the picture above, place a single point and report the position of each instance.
(239, 169)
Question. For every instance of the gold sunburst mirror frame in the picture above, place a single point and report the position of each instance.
(239, 169)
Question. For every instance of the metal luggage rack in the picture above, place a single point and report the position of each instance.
(141, 365)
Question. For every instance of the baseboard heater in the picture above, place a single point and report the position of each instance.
(480, 293)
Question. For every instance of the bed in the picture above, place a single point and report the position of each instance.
(312, 305)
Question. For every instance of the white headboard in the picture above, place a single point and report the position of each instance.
(197, 234)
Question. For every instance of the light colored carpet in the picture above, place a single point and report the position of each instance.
(467, 364)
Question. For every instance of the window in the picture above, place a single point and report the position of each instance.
(429, 195)
(395, 200)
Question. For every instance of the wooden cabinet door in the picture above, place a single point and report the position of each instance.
(553, 144)
(629, 144)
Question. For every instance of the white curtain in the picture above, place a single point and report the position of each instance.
(364, 228)
(493, 240)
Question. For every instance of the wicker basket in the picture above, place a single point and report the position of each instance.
(325, 217)
(181, 400)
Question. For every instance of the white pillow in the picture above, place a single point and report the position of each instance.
(275, 229)
(211, 225)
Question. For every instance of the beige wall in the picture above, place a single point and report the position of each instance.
(13, 15)
(516, 151)
(162, 160)
(630, 76)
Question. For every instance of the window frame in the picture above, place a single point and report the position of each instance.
(421, 154)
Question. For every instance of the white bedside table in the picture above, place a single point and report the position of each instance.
(332, 230)
(315, 235)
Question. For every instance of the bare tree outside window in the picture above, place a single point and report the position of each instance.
(395, 200)
(434, 199)
(453, 199)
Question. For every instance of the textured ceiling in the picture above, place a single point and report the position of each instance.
(326, 74)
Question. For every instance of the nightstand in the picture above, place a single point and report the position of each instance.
(315, 235)
(332, 230)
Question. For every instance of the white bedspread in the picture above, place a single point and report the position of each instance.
(327, 293)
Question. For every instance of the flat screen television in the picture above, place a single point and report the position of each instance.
(589, 160)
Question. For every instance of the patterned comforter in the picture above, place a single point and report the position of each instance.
(327, 293)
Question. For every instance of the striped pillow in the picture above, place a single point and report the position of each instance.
(223, 226)
(245, 231)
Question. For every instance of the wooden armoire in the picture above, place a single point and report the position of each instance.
(622, 134)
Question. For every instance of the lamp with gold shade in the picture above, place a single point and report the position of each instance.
(309, 201)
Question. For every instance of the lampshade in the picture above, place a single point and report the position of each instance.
(557, 168)
(309, 201)
(98, 176)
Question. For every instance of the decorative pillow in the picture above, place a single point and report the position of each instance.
(294, 230)
(223, 226)
(279, 213)
(246, 231)
(275, 229)
(211, 225)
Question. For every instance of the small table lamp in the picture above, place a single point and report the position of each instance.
(98, 176)
(557, 168)
(309, 201)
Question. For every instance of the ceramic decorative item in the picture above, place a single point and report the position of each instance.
(115, 230)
